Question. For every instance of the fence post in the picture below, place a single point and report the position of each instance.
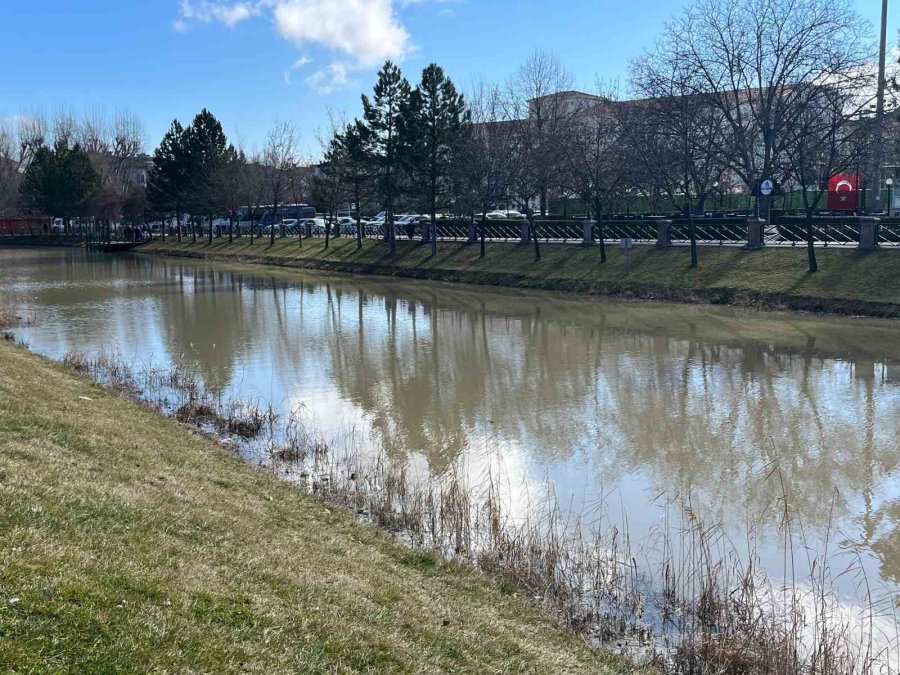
(756, 228)
(526, 235)
(587, 235)
(663, 233)
(473, 237)
(868, 233)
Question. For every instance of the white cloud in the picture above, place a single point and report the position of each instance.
(334, 76)
(365, 32)
(209, 11)
(299, 63)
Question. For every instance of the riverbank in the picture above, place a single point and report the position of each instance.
(130, 544)
(849, 282)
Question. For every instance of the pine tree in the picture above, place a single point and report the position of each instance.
(167, 186)
(59, 180)
(351, 152)
(382, 120)
(431, 127)
(207, 150)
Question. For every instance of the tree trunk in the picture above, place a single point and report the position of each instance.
(230, 228)
(392, 233)
(327, 229)
(534, 236)
(692, 233)
(359, 223)
(210, 234)
(598, 217)
(810, 243)
(272, 227)
(483, 227)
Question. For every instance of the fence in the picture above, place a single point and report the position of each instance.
(839, 231)
(637, 204)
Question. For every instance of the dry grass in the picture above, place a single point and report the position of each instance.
(9, 318)
(696, 604)
(128, 545)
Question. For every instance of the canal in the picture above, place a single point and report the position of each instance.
(622, 409)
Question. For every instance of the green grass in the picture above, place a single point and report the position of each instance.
(848, 281)
(128, 544)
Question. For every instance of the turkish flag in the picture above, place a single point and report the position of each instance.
(843, 192)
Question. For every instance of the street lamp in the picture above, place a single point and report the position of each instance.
(890, 186)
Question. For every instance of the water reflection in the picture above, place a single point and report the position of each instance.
(640, 399)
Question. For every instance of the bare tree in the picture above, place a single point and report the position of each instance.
(20, 139)
(483, 165)
(593, 157)
(752, 61)
(279, 158)
(256, 190)
(829, 136)
(231, 182)
(676, 133)
(540, 100)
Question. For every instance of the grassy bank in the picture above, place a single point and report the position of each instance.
(849, 281)
(130, 545)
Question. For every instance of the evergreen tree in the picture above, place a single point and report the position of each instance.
(350, 151)
(167, 186)
(59, 180)
(207, 152)
(431, 127)
(382, 122)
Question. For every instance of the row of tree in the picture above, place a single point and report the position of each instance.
(733, 92)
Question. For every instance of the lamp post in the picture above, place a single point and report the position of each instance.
(890, 186)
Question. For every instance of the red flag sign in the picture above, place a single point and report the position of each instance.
(843, 191)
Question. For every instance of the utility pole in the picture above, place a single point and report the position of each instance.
(877, 159)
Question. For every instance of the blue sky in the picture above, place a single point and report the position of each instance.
(251, 61)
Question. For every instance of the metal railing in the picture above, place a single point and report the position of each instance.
(709, 231)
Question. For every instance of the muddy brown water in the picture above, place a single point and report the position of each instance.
(618, 406)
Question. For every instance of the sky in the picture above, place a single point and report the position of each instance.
(254, 61)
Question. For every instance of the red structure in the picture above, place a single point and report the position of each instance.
(23, 225)
(843, 192)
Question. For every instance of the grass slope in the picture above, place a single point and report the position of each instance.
(130, 545)
(849, 281)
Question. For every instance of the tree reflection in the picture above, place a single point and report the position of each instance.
(700, 399)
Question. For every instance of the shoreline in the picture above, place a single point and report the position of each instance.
(105, 497)
(775, 278)
(520, 552)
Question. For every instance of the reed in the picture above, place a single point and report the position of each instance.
(686, 597)
(10, 318)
